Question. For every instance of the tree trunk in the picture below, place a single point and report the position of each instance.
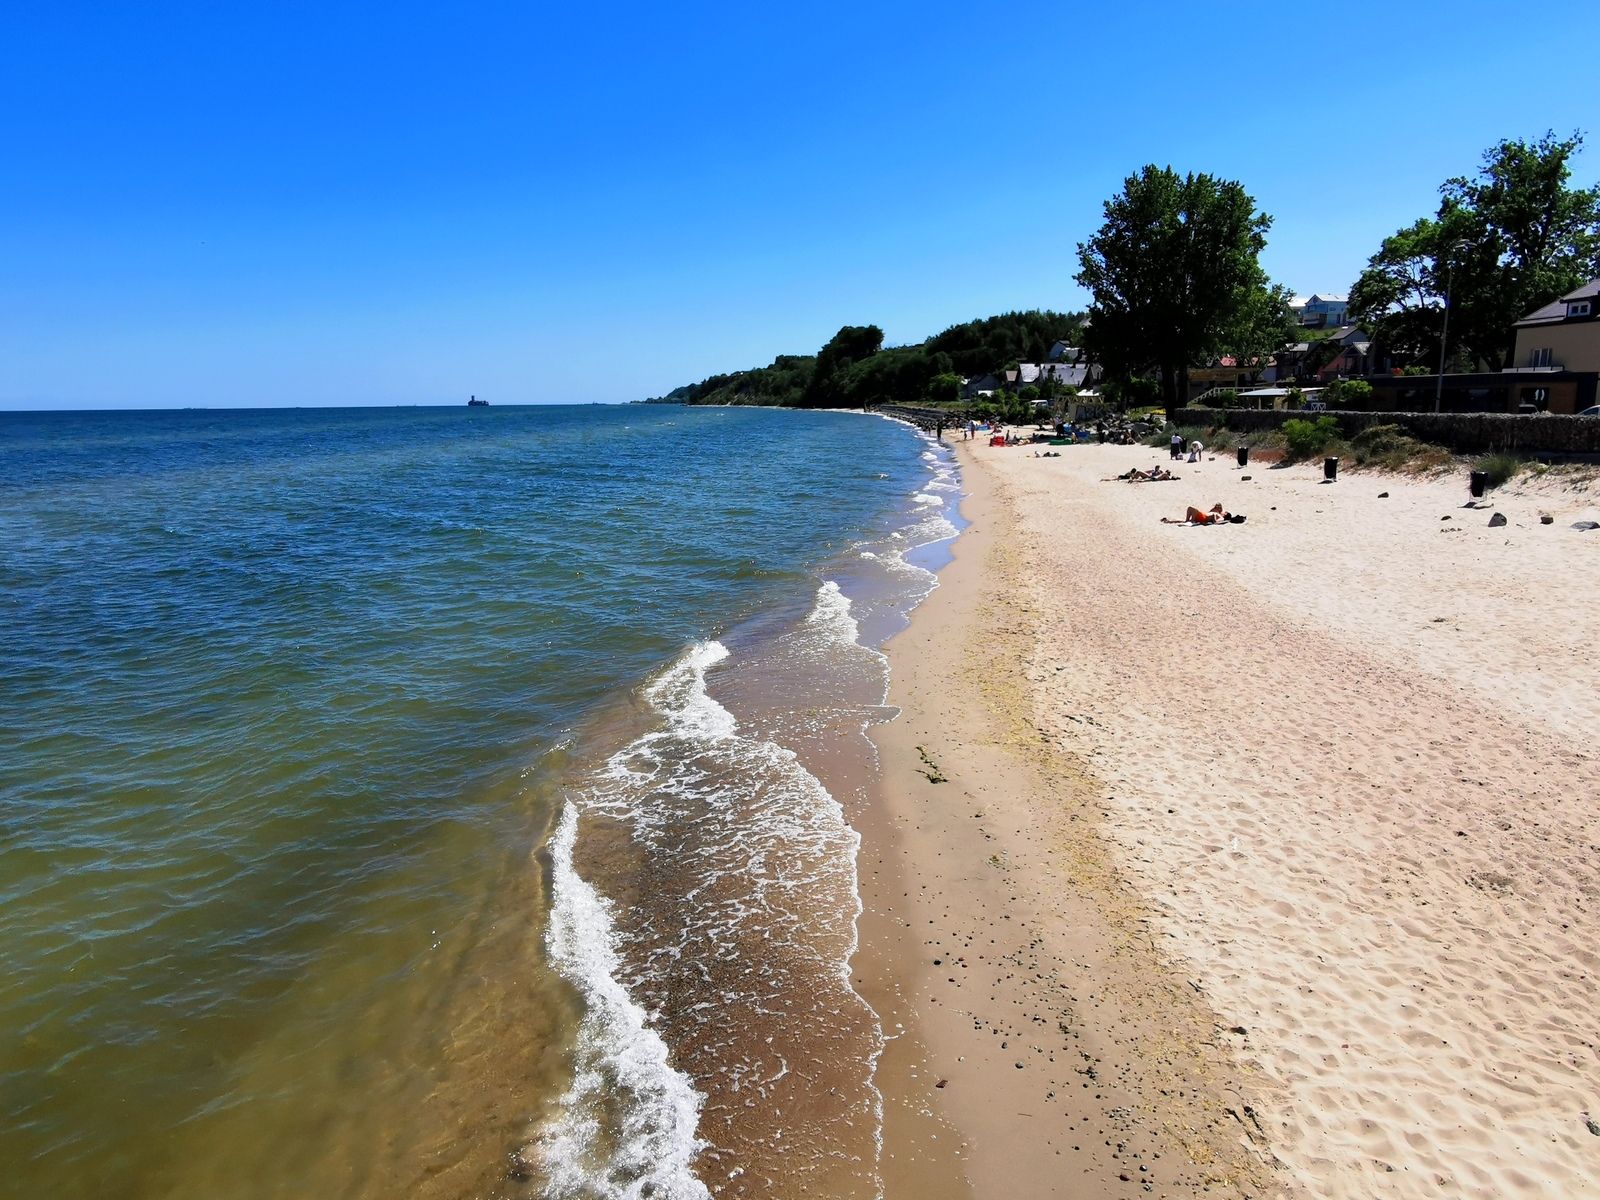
(1169, 391)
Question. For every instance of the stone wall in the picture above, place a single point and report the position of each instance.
(1465, 433)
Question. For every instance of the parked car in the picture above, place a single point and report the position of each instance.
(1592, 411)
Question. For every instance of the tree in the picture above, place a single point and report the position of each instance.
(1173, 270)
(1503, 243)
(977, 347)
(851, 345)
(1395, 297)
(1263, 324)
(946, 388)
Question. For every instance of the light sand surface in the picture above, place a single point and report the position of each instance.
(1010, 961)
(1368, 837)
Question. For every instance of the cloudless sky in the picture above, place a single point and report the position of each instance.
(396, 203)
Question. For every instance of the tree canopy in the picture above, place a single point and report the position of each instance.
(1505, 242)
(1175, 275)
(855, 370)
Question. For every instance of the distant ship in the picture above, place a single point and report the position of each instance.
(476, 403)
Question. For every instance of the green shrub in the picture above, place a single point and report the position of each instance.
(1498, 467)
(1384, 445)
(1343, 392)
(1308, 438)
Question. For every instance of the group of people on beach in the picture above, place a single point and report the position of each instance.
(1153, 475)
(1196, 449)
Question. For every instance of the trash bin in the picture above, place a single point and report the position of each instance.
(1478, 481)
(1330, 468)
(1244, 456)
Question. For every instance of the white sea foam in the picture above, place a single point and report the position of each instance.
(832, 613)
(618, 1057)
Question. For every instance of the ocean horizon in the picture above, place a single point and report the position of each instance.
(444, 801)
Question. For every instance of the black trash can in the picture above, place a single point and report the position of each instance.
(1330, 468)
(1478, 481)
(1244, 456)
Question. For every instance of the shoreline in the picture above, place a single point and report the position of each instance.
(1073, 1060)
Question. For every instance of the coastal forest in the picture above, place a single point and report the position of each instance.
(855, 369)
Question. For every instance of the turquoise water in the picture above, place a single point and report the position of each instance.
(290, 699)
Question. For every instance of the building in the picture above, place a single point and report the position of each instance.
(1353, 358)
(1557, 357)
(1320, 310)
(979, 385)
(1075, 374)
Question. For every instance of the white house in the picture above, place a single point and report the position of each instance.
(1320, 310)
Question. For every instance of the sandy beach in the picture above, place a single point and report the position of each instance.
(1256, 860)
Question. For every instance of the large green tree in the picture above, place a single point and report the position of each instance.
(1174, 270)
(1512, 238)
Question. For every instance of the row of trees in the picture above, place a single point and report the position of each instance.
(855, 370)
(1177, 282)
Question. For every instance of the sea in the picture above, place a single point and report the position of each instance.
(445, 802)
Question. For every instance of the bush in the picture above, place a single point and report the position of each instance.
(1347, 392)
(1392, 448)
(1498, 467)
(1308, 438)
(1226, 398)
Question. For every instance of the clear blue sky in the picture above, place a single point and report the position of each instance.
(407, 203)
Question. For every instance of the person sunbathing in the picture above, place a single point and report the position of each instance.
(1215, 517)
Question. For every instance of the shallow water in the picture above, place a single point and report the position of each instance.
(295, 700)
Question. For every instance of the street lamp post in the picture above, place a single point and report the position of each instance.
(1444, 334)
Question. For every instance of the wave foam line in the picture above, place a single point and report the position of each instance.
(623, 1080)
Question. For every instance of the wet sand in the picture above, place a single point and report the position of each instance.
(1000, 933)
(1287, 831)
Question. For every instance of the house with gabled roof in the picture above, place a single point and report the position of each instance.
(1556, 361)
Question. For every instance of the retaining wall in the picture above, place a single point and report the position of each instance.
(1465, 433)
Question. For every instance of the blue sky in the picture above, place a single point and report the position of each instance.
(205, 204)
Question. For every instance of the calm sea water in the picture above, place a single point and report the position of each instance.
(442, 802)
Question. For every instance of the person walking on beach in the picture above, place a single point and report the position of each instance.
(1177, 447)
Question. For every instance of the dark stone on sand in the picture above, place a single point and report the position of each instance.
(1546, 519)
(1497, 520)
(1586, 524)
(1383, 495)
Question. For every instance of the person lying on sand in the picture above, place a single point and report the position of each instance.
(1215, 517)
(1134, 475)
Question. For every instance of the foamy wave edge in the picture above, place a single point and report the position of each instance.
(616, 1051)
